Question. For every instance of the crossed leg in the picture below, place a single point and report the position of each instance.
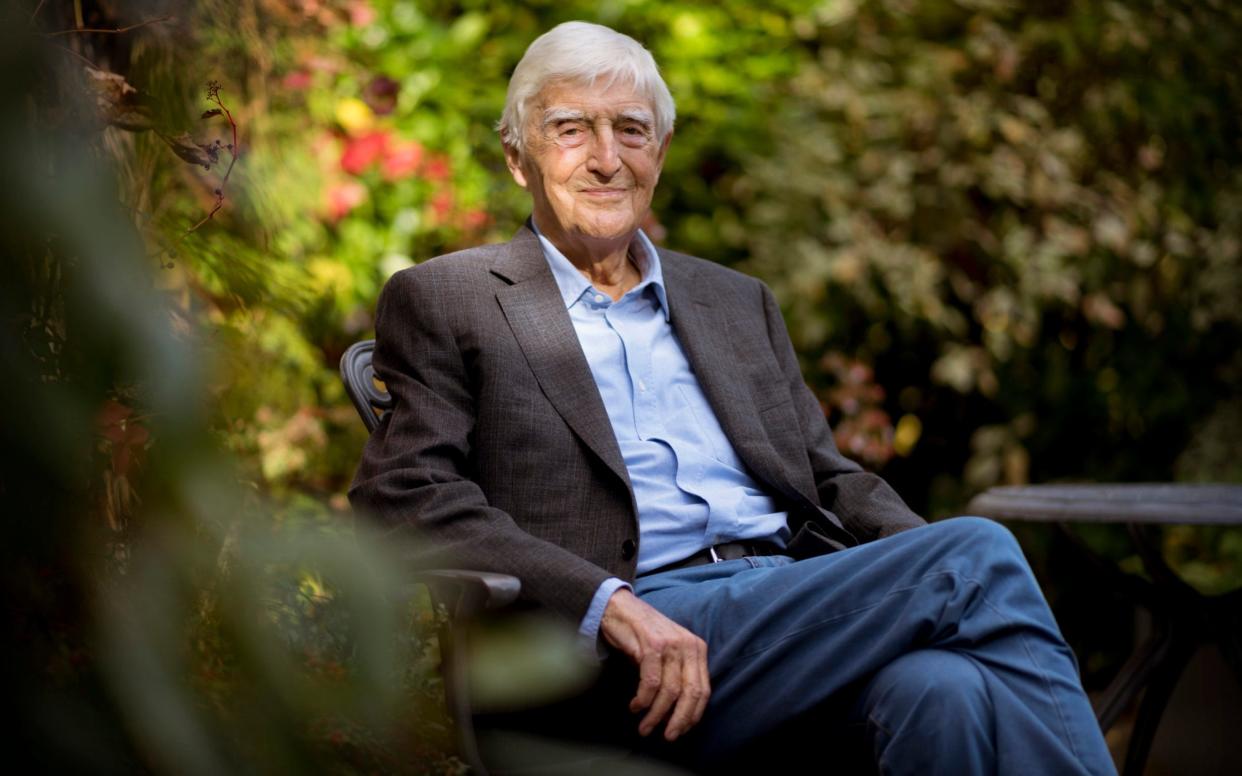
(937, 643)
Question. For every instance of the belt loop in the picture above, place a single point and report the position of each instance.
(711, 550)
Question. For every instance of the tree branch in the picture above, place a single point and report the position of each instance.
(213, 94)
(68, 50)
(114, 31)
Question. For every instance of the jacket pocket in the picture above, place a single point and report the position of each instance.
(812, 540)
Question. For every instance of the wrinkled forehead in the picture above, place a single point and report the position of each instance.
(616, 115)
(606, 97)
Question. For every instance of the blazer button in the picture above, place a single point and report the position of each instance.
(628, 547)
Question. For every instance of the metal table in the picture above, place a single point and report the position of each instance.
(1183, 618)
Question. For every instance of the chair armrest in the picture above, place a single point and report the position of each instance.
(467, 593)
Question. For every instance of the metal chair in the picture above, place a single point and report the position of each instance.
(370, 398)
(463, 594)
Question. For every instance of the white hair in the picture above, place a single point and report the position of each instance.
(583, 53)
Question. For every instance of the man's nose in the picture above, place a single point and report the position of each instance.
(605, 156)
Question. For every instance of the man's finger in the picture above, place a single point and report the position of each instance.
(670, 690)
(684, 715)
(650, 671)
(706, 679)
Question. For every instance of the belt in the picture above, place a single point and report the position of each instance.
(721, 552)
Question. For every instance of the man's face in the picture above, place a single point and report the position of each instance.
(591, 160)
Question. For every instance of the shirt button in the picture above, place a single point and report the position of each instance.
(599, 298)
(642, 386)
(628, 548)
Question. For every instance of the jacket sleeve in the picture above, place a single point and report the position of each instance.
(867, 506)
(414, 476)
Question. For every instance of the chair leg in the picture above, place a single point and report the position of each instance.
(454, 670)
(1160, 688)
(1132, 677)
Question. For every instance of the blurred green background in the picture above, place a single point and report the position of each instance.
(1007, 237)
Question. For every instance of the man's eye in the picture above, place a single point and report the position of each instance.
(634, 135)
(570, 131)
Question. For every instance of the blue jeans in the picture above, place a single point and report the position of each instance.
(935, 645)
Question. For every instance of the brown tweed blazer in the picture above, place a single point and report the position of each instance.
(499, 454)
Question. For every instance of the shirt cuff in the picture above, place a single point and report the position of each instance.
(589, 629)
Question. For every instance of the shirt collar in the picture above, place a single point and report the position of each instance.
(573, 284)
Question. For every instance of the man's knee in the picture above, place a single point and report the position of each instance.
(979, 538)
(928, 684)
(977, 530)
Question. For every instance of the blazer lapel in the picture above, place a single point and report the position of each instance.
(702, 326)
(536, 313)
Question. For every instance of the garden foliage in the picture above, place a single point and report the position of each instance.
(1011, 227)
(1007, 237)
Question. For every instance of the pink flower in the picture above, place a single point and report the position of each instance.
(363, 151)
(344, 197)
(361, 13)
(402, 159)
(297, 80)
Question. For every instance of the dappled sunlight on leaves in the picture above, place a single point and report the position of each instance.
(1007, 238)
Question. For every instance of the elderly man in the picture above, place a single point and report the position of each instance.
(624, 428)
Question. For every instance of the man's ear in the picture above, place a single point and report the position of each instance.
(513, 160)
(664, 149)
(662, 153)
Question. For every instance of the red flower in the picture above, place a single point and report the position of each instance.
(363, 151)
(437, 169)
(473, 220)
(402, 159)
(441, 206)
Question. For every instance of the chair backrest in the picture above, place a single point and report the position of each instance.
(372, 401)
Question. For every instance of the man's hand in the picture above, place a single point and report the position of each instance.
(672, 664)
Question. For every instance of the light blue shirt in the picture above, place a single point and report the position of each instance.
(691, 489)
